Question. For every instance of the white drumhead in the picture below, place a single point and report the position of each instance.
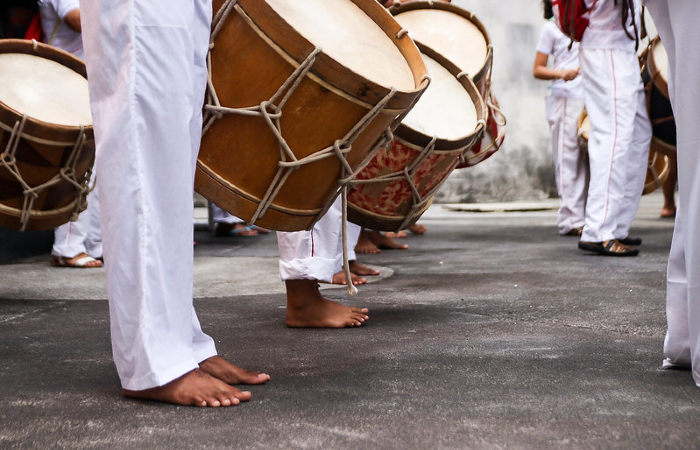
(445, 109)
(661, 60)
(44, 90)
(449, 34)
(349, 36)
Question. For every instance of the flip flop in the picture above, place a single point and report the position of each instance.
(605, 248)
(80, 261)
(224, 230)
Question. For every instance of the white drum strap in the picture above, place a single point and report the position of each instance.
(67, 173)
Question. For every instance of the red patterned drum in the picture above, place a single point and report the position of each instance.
(399, 183)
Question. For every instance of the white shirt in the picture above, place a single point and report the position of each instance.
(555, 43)
(605, 27)
(65, 38)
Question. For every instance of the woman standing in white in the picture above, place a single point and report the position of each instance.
(79, 243)
(676, 22)
(564, 108)
(620, 133)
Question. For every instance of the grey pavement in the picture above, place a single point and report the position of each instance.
(490, 332)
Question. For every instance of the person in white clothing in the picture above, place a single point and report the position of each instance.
(676, 23)
(147, 76)
(307, 257)
(226, 224)
(78, 243)
(620, 132)
(564, 108)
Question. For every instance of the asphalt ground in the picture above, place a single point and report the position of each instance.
(489, 332)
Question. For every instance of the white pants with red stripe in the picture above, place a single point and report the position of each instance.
(676, 22)
(316, 254)
(82, 236)
(618, 146)
(570, 165)
(147, 72)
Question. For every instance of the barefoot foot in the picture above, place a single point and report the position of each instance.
(340, 278)
(360, 269)
(364, 245)
(307, 308)
(195, 388)
(383, 242)
(218, 367)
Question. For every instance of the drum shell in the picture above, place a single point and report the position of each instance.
(42, 152)
(658, 103)
(239, 155)
(389, 205)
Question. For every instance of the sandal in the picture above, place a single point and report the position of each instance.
(613, 247)
(80, 261)
(630, 241)
(574, 232)
(234, 229)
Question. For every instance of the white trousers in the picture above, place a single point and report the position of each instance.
(82, 236)
(317, 254)
(146, 66)
(219, 215)
(570, 165)
(618, 146)
(676, 22)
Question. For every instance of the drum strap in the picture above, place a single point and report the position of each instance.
(67, 173)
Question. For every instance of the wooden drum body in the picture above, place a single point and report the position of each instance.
(494, 135)
(290, 117)
(655, 78)
(46, 140)
(658, 166)
(398, 185)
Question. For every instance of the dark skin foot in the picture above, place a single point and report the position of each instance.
(362, 270)
(223, 370)
(307, 308)
(364, 245)
(340, 278)
(383, 242)
(417, 229)
(195, 388)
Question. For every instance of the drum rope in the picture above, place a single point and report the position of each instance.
(66, 173)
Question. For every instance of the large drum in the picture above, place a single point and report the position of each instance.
(658, 166)
(301, 95)
(453, 32)
(655, 77)
(46, 139)
(398, 185)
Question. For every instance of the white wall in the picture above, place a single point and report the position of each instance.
(522, 169)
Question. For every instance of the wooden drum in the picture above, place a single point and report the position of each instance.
(46, 140)
(301, 95)
(494, 135)
(398, 185)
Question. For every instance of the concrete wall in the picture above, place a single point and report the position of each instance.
(522, 169)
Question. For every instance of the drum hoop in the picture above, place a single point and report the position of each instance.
(398, 8)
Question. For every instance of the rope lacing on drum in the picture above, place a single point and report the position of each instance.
(8, 159)
(271, 111)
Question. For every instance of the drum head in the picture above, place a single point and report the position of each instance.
(44, 90)
(445, 110)
(462, 41)
(348, 35)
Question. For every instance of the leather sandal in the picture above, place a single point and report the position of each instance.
(613, 247)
